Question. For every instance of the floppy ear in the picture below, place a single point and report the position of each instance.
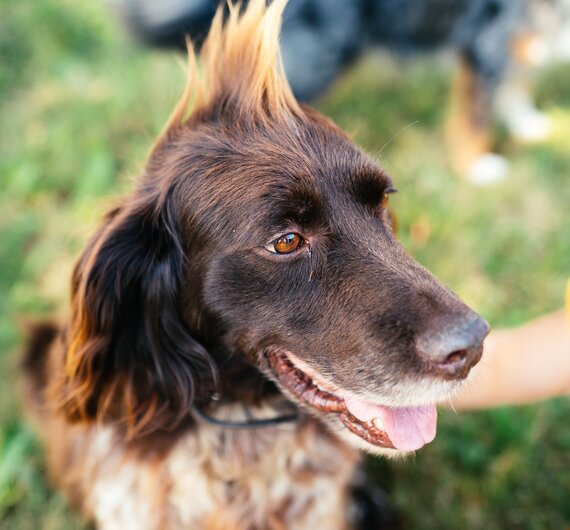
(131, 357)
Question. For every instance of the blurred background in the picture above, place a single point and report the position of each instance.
(80, 104)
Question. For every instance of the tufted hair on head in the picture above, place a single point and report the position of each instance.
(239, 68)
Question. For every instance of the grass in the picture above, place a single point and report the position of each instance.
(80, 106)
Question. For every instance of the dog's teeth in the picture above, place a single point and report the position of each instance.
(377, 422)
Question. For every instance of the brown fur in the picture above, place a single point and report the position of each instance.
(178, 300)
(291, 476)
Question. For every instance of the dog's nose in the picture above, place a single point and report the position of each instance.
(452, 346)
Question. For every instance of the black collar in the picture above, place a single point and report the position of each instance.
(246, 424)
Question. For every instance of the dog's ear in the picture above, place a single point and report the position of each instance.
(131, 356)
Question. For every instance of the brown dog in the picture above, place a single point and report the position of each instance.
(253, 268)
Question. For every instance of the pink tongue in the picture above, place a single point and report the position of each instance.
(409, 428)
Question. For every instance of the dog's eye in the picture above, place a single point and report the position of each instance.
(386, 197)
(287, 243)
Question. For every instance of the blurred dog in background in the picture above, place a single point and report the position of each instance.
(495, 41)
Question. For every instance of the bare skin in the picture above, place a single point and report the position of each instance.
(522, 365)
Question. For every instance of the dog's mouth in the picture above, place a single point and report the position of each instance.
(401, 428)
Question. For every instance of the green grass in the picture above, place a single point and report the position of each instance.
(80, 106)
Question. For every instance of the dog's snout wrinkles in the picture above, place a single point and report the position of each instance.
(450, 349)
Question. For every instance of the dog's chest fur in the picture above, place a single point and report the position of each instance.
(285, 477)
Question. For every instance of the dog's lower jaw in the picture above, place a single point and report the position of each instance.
(412, 424)
(357, 442)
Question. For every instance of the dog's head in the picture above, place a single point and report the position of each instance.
(260, 235)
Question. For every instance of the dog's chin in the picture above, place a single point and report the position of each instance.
(392, 428)
(362, 445)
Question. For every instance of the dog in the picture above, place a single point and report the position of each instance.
(245, 320)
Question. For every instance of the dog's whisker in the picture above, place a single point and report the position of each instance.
(395, 136)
